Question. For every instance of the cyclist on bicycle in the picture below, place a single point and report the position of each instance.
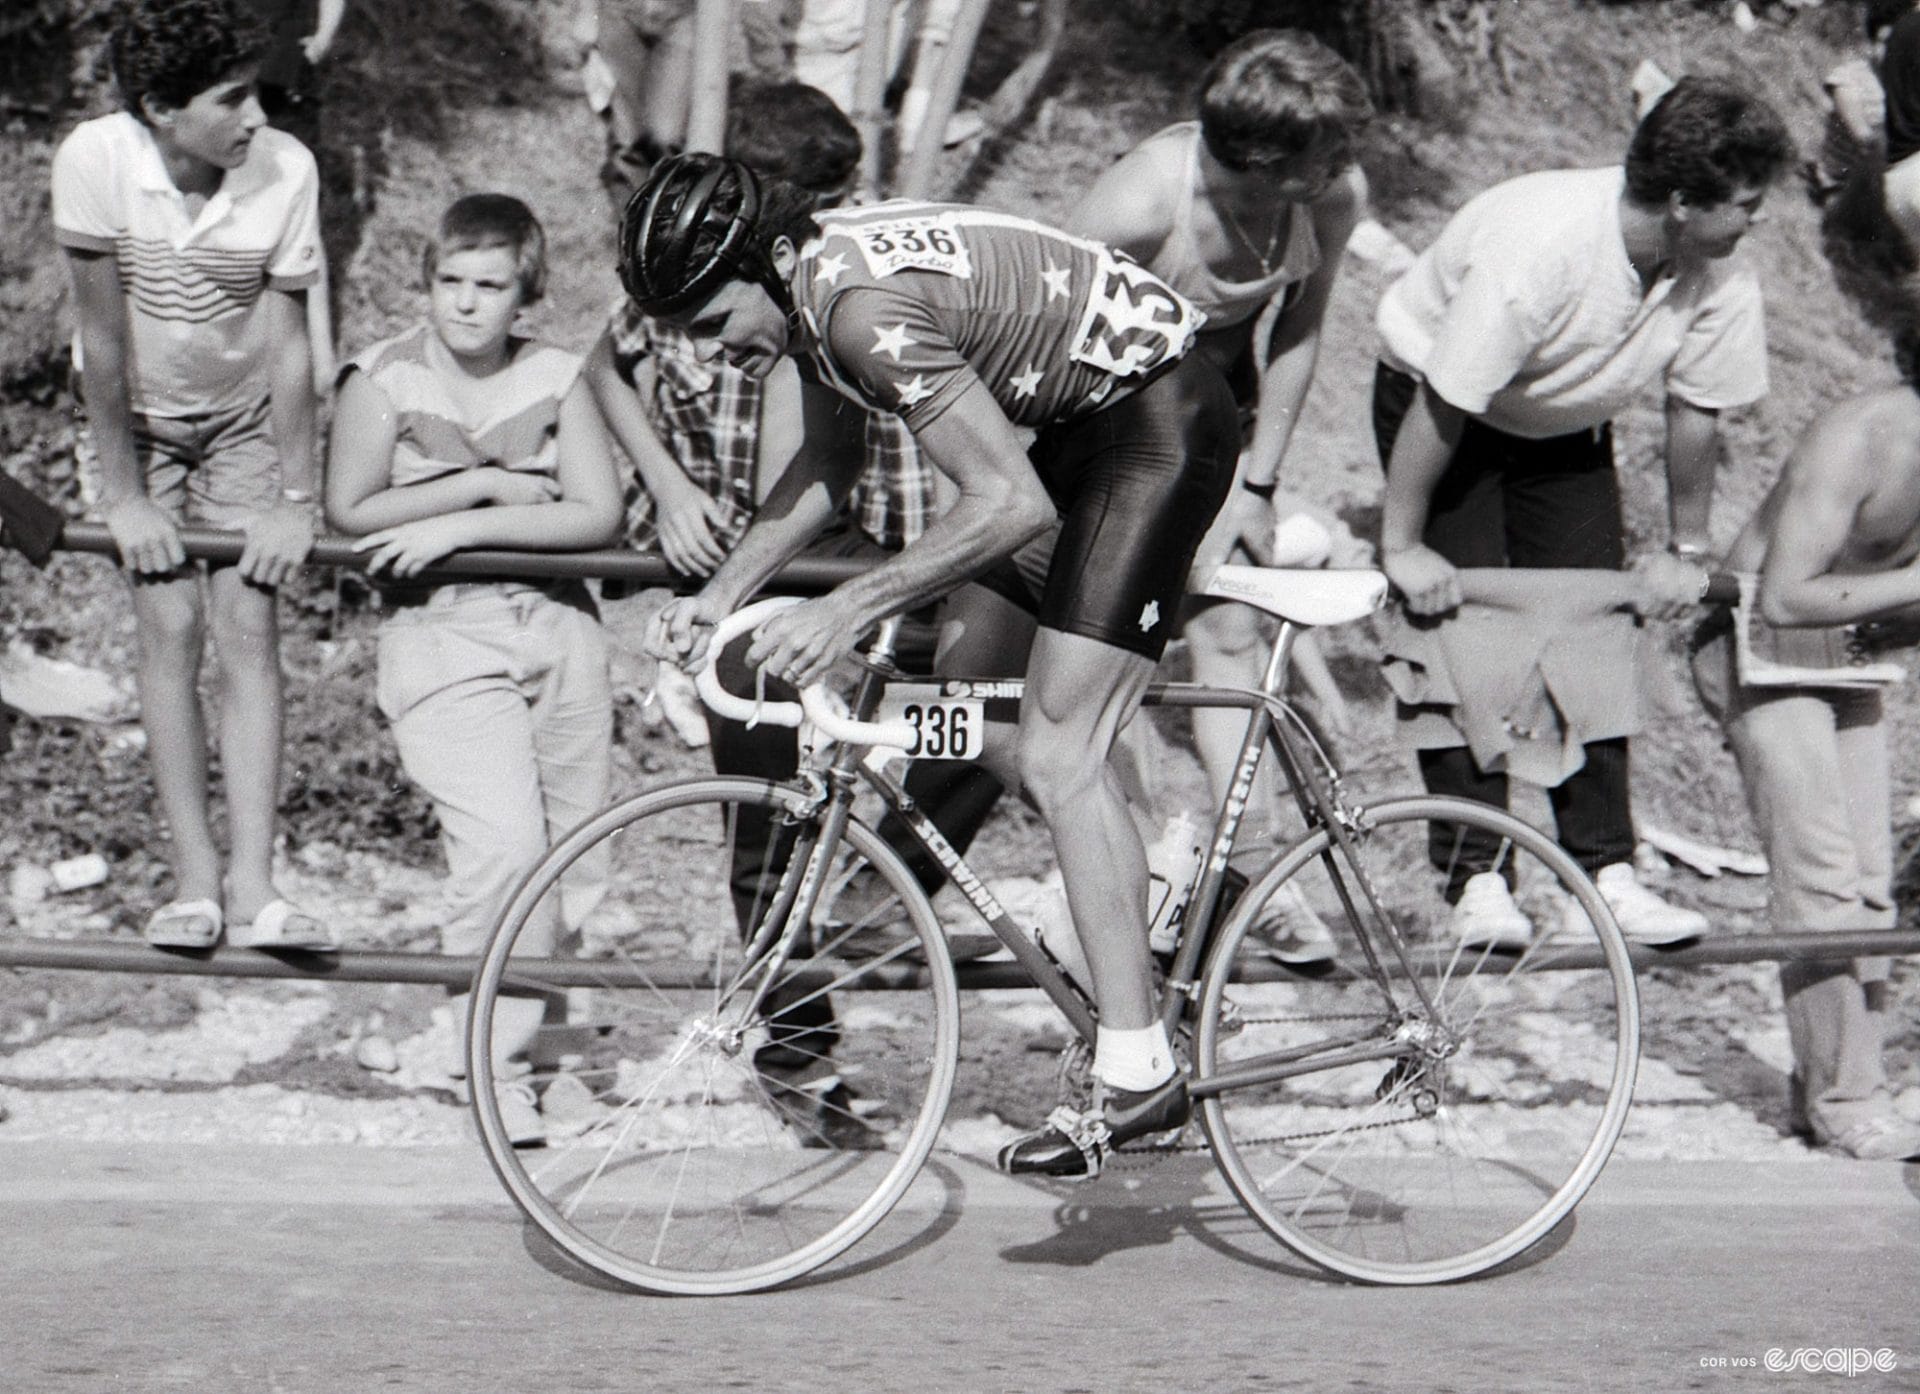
(971, 325)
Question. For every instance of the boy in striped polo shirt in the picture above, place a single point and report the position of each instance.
(191, 232)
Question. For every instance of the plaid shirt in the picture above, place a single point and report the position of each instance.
(709, 417)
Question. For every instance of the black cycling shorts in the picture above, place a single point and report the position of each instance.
(1137, 484)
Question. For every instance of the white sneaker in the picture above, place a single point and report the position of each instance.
(568, 1108)
(1485, 916)
(520, 1115)
(1645, 918)
(1874, 1137)
(1293, 929)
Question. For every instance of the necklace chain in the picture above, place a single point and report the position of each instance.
(1265, 258)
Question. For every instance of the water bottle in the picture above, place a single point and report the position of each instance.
(1171, 864)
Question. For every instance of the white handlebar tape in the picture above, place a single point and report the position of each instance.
(815, 705)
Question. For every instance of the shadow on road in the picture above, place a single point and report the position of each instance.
(919, 1220)
(1227, 1229)
(1182, 1197)
(1167, 1197)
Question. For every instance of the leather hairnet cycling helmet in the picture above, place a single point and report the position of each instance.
(689, 230)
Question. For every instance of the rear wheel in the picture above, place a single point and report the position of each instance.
(1431, 1120)
(718, 1121)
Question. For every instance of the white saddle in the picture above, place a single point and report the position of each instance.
(1304, 597)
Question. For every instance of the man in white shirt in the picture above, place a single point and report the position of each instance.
(1545, 306)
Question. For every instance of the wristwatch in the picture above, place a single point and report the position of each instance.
(1259, 491)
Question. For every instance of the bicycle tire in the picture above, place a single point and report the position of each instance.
(1496, 1111)
(717, 1148)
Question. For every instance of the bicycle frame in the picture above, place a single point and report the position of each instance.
(704, 1088)
(1272, 722)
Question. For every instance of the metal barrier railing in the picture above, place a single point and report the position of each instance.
(808, 575)
(131, 956)
(802, 576)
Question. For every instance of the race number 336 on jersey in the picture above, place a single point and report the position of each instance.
(904, 305)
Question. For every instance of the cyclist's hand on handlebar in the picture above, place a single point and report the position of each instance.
(1669, 588)
(149, 541)
(1428, 583)
(680, 632)
(801, 644)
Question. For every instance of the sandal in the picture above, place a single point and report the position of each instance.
(185, 924)
(283, 925)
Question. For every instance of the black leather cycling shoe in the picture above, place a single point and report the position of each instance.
(1076, 1143)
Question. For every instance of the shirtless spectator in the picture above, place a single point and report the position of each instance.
(1246, 211)
(1836, 542)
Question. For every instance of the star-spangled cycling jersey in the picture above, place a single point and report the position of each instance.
(905, 304)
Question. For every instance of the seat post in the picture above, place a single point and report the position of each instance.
(1275, 677)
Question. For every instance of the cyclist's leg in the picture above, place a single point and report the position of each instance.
(1142, 481)
(1080, 693)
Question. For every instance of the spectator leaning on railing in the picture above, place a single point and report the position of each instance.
(1836, 541)
(454, 434)
(708, 441)
(191, 230)
(1246, 211)
(1545, 306)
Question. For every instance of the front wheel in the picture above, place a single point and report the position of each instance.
(730, 1100)
(1430, 1117)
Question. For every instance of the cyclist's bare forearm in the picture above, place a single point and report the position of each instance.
(815, 482)
(801, 504)
(948, 553)
(1000, 505)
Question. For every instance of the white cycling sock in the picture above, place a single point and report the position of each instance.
(1141, 1059)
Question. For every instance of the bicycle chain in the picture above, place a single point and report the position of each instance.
(1139, 1158)
(1126, 1157)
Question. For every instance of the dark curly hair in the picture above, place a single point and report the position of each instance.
(173, 50)
(1704, 140)
(1277, 95)
(790, 131)
(1874, 265)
